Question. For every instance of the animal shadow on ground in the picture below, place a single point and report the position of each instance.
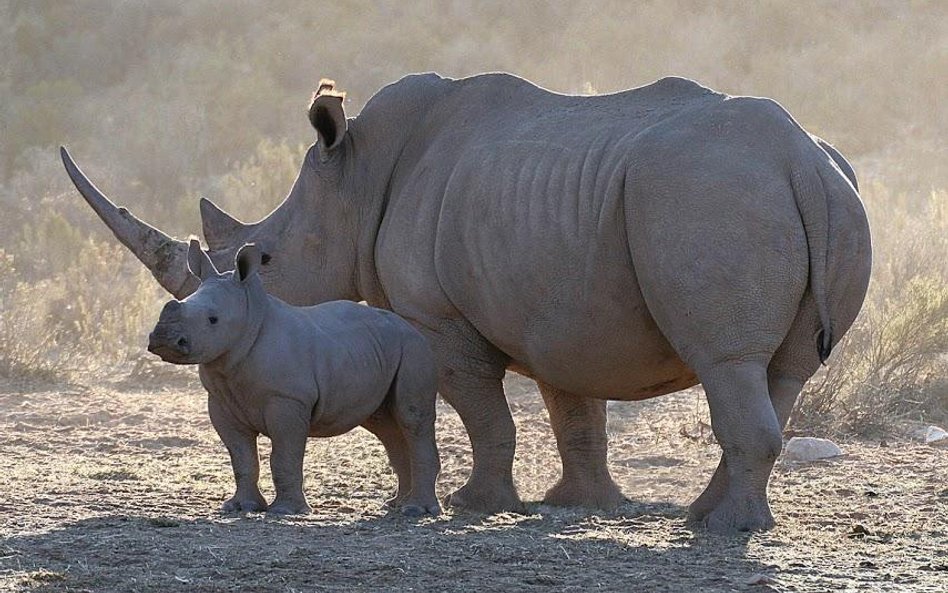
(646, 546)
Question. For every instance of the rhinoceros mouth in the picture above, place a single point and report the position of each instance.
(169, 354)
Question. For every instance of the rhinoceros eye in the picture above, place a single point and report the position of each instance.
(264, 258)
(212, 319)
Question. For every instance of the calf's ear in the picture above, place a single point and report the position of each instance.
(199, 263)
(328, 116)
(248, 262)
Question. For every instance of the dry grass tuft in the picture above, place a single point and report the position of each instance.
(88, 313)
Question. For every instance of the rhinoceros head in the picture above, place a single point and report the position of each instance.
(222, 315)
(308, 243)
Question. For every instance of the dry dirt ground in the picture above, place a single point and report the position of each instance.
(115, 487)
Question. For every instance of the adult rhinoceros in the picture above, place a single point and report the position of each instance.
(621, 246)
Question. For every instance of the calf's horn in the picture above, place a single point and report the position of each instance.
(164, 256)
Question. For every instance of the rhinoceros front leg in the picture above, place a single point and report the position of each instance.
(241, 443)
(579, 424)
(470, 379)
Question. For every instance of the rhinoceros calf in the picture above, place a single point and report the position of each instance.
(295, 372)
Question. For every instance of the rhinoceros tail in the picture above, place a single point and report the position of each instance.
(810, 195)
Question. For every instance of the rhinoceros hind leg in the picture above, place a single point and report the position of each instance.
(747, 427)
(579, 424)
(699, 510)
(784, 389)
(792, 363)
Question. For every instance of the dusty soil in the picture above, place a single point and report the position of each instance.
(115, 487)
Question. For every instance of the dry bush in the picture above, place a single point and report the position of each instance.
(892, 365)
(88, 313)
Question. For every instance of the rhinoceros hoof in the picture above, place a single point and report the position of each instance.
(604, 495)
(420, 509)
(289, 507)
(243, 505)
(732, 517)
(698, 513)
(485, 500)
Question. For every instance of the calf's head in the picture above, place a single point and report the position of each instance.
(217, 317)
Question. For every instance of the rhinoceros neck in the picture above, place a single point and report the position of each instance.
(258, 304)
(390, 122)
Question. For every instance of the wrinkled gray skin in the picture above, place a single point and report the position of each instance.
(295, 372)
(620, 246)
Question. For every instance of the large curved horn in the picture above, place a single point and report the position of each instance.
(164, 256)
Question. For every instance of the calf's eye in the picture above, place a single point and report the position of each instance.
(212, 319)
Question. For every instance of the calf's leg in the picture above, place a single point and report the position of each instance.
(412, 400)
(383, 426)
(241, 443)
(288, 425)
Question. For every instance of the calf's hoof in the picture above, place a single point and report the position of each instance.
(396, 501)
(600, 494)
(243, 505)
(289, 507)
(731, 516)
(487, 499)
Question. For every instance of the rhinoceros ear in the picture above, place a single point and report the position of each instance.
(247, 262)
(328, 116)
(198, 262)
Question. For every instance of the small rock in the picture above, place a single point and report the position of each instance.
(935, 435)
(759, 579)
(811, 449)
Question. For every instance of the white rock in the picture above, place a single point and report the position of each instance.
(811, 449)
(760, 579)
(936, 435)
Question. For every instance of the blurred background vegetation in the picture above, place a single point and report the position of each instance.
(164, 101)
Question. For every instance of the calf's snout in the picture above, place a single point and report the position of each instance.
(167, 339)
